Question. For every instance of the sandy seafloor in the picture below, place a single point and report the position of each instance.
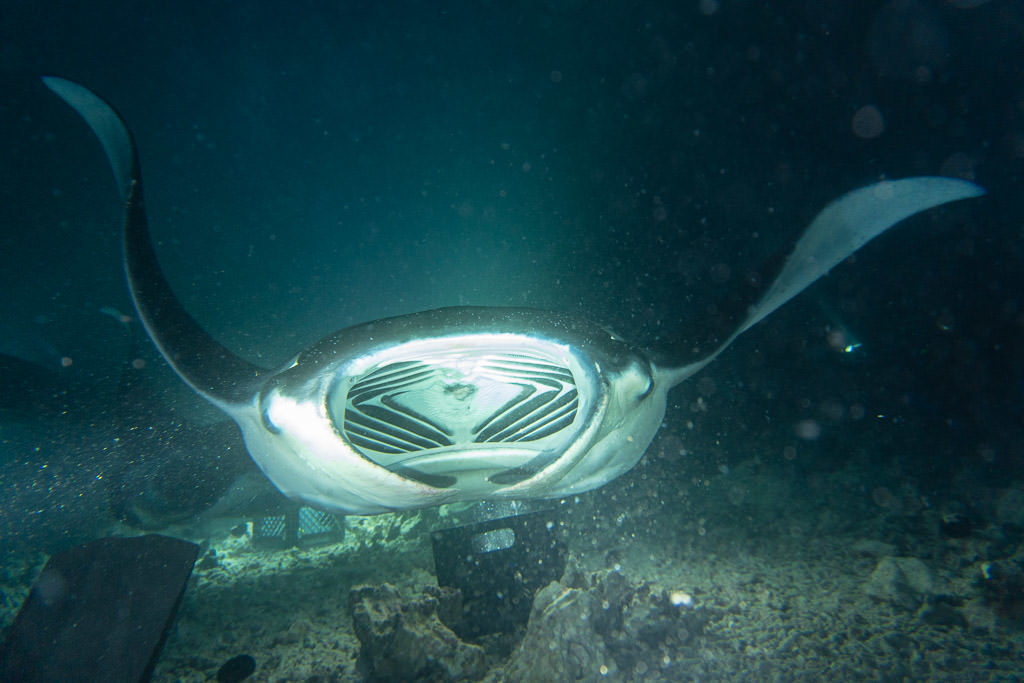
(754, 573)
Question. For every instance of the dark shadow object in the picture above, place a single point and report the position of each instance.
(99, 611)
(236, 669)
(498, 565)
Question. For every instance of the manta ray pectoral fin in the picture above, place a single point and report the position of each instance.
(842, 227)
(208, 367)
(113, 135)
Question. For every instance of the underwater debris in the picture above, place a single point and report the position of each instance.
(956, 525)
(406, 639)
(236, 669)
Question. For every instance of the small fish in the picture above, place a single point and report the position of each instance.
(117, 315)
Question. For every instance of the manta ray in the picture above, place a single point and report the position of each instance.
(462, 403)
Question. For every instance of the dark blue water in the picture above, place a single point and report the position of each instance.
(311, 165)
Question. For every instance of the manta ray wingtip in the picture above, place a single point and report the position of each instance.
(105, 122)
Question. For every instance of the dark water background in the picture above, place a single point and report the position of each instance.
(310, 165)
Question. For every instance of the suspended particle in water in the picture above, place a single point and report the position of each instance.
(868, 122)
(883, 497)
(708, 7)
(809, 430)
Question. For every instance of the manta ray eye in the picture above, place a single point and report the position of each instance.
(638, 379)
(265, 420)
(647, 389)
(267, 424)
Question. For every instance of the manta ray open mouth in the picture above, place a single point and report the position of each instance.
(507, 412)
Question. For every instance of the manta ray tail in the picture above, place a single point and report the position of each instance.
(842, 227)
(198, 358)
